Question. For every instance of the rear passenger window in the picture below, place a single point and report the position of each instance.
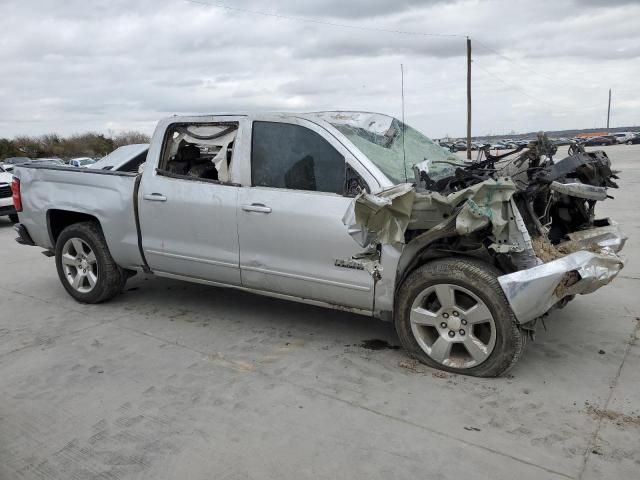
(290, 156)
(199, 151)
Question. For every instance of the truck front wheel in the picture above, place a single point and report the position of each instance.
(451, 314)
(85, 267)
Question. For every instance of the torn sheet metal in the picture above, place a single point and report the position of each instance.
(532, 292)
(580, 190)
(481, 204)
(484, 205)
(385, 216)
(380, 218)
(608, 237)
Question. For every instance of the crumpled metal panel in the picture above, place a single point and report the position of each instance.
(580, 190)
(532, 292)
(383, 217)
(609, 237)
(483, 205)
(380, 218)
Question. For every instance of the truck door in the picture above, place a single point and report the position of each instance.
(187, 205)
(292, 239)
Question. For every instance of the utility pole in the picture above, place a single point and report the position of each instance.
(469, 98)
(609, 110)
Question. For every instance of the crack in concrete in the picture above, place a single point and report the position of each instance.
(230, 364)
(356, 405)
(612, 386)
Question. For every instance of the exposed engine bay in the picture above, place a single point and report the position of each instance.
(529, 214)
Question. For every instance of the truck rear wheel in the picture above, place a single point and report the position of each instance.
(451, 314)
(85, 267)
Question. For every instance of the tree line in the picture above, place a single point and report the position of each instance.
(78, 145)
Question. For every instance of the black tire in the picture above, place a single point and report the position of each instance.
(480, 279)
(13, 218)
(111, 278)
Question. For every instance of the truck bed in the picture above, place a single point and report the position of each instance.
(108, 196)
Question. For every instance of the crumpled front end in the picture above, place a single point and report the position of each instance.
(534, 291)
(529, 215)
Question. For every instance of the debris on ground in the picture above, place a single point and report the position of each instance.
(411, 364)
(618, 418)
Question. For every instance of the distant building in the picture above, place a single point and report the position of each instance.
(592, 134)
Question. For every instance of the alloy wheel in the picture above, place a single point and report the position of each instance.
(79, 265)
(453, 326)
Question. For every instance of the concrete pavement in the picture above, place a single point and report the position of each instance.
(176, 380)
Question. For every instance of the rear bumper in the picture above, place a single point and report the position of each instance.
(7, 210)
(534, 291)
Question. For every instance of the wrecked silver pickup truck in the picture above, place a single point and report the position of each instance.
(349, 210)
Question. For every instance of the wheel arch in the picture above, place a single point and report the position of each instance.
(431, 245)
(58, 220)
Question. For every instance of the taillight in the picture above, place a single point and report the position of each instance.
(15, 194)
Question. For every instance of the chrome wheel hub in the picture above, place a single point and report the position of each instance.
(453, 326)
(79, 265)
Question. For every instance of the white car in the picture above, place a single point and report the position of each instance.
(81, 162)
(6, 199)
(624, 137)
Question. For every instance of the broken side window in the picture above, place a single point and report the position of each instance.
(284, 155)
(199, 151)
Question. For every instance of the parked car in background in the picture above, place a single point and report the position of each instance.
(599, 141)
(55, 161)
(6, 200)
(634, 140)
(81, 162)
(624, 137)
(9, 163)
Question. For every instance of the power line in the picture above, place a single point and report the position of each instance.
(514, 87)
(316, 21)
(321, 22)
(530, 70)
(526, 94)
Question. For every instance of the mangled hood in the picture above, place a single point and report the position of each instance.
(531, 215)
(385, 217)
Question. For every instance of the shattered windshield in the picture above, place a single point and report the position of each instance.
(380, 138)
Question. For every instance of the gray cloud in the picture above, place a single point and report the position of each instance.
(115, 64)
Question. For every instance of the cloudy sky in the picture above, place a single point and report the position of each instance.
(110, 65)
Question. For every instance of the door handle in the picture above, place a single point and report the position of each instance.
(256, 207)
(155, 197)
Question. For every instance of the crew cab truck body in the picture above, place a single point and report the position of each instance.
(266, 203)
